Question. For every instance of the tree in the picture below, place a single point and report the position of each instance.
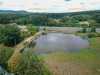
(84, 25)
(10, 35)
(93, 29)
(40, 20)
(92, 25)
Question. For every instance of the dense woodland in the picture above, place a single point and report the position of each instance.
(49, 19)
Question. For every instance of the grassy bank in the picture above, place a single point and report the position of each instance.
(85, 62)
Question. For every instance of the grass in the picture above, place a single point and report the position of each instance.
(87, 59)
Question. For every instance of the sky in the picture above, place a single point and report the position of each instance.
(53, 6)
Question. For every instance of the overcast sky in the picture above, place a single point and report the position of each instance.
(50, 5)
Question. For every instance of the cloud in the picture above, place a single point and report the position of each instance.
(76, 7)
(1, 3)
(67, 0)
(50, 5)
(10, 4)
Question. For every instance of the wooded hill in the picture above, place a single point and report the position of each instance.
(24, 17)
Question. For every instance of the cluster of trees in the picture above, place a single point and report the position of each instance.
(9, 35)
(22, 19)
(89, 26)
(50, 19)
(12, 34)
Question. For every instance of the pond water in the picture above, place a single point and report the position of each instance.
(53, 42)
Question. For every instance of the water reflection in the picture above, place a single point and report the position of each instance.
(53, 42)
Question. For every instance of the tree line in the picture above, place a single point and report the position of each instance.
(50, 19)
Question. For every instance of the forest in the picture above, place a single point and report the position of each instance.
(49, 19)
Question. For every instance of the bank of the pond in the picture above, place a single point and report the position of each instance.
(85, 62)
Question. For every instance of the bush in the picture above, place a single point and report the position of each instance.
(28, 64)
(98, 34)
(25, 34)
(5, 54)
(91, 35)
(32, 29)
(84, 30)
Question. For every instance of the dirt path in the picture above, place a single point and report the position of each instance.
(27, 41)
(16, 57)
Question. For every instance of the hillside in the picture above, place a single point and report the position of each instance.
(49, 19)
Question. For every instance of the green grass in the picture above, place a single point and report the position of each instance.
(86, 54)
(90, 58)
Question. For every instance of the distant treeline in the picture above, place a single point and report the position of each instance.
(49, 19)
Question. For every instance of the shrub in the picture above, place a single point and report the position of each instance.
(98, 34)
(84, 30)
(32, 29)
(91, 35)
(28, 64)
(5, 54)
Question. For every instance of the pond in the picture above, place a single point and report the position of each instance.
(53, 42)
